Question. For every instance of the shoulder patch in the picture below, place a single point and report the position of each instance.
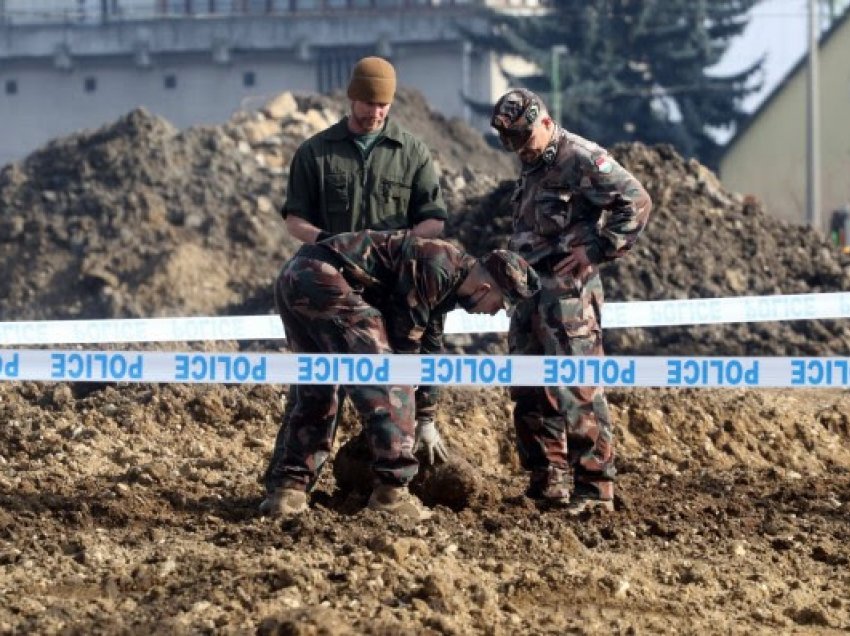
(603, 164)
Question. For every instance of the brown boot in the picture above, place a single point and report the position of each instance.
(398, 501)
(578, 505)
(285, 502)
(589, 497)
(549, 485)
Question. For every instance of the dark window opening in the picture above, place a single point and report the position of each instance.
(333, 66)
(90, 84)
(249, 78)
(170, 81)
(11, 87)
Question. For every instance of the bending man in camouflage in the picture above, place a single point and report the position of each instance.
(367, 172)
(327, 296)
(575, 207)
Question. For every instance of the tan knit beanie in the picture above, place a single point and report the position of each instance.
(372, 80)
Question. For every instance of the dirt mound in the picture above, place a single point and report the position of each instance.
(133, 508)
(124, 220)
(121, 221)
(702, 241)
(137, 219)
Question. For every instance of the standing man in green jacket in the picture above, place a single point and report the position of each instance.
(367, 172)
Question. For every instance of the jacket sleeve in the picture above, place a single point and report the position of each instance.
(302, 189)
(406, 325)
(420, 289)
(426, 197)
(627, 205)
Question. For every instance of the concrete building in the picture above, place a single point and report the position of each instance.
(67, 65)
(767, 156)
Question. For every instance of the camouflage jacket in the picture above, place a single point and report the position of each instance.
(581, 196)
(408, 278)
(335, 188)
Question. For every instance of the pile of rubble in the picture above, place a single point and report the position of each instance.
(139, 219)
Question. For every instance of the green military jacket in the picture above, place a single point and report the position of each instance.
(333, 187)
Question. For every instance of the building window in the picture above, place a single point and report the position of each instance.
(249, 78)
(170, 81)
(90, 84)
(333, 66)
(11, 87)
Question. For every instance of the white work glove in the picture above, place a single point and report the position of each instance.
(429, 442)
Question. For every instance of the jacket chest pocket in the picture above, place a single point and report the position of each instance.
(394, 198)
(337, 198)
(553, 209)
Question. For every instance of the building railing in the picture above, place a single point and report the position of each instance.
(101, 11)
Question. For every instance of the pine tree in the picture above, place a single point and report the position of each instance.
(634, 70)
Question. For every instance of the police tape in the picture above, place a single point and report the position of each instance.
(660, 313)
(454, 370)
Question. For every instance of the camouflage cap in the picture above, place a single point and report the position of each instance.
(514, 116)
(516, 278)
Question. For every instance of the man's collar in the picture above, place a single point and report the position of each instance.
(549, 154)
(340, 131)
(393, 131)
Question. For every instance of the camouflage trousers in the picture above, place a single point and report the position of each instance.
(567, 428)
(322, 313)
(426, 398)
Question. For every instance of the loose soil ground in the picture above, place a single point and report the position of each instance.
(133, 509)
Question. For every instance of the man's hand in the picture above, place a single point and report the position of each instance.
(575, 264)
(302, 229)
(429, 443)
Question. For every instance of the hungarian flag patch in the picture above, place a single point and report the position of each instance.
(604, 164)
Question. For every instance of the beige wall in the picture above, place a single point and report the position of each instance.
(769, 158)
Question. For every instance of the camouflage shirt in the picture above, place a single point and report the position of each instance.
(577, 194)
(407, 277)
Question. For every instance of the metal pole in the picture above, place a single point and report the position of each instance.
(556, 88)
(466, 78)
(555, 80)
(813, 122)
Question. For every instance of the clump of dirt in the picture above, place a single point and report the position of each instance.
(133, 508)
(454, 483)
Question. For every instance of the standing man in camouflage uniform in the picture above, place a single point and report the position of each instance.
(326, 297)
(575, 207)
(367, 172)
